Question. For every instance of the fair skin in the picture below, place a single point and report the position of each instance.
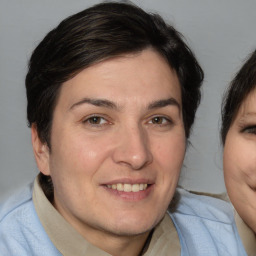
(240, 161)
(117, 122)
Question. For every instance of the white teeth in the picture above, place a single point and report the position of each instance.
(128, 187)
(135, 188)
(120, 187)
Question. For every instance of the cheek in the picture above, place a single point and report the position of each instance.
(84, 148)
(232, 155)
(229, 160)
(239, 162)
(76, 160)
(75, 167)
(238, 158)
(170, 153)
(169, 159)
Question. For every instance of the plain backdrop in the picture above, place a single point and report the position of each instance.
(221, 34)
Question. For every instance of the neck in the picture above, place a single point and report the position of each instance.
(113, 243)
(123, 246)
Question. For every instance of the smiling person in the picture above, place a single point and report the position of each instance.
(112, 93)
(239, 140)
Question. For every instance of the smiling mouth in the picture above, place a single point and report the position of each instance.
(128, 187)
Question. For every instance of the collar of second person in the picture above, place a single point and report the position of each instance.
(69, 242)
(247, 236)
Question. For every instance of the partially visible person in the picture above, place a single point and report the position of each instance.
(238, 135)
(112, 94)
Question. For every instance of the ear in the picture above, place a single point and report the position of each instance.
(41, 151)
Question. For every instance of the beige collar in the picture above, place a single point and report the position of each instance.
(69, 242)
(247, 236)
(165, 240)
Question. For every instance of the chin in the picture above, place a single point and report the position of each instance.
(128, 230)
(136, 226)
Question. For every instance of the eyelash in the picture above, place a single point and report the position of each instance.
(166, 122)
(249, 129)
(89, 120)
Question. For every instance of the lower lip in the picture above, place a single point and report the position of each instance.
(130, 196)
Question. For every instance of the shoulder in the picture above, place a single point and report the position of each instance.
(21, 232)
(15, 212)
(204, 207)
(16, 203)
(205, 225)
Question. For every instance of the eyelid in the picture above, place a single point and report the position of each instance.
(168, 119)
(87, 118)
(246, 128)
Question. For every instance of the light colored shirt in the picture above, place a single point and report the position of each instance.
(247, 235)
(200, 226)
(69, 242)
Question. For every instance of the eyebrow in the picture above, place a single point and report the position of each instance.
(111, 105)
(249, 113)
(164, 103)
(246, 115)
(95, 102)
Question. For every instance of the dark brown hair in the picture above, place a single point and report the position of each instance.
(240, 87)
(100, 32)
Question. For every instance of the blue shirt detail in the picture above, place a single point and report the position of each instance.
(205, 227)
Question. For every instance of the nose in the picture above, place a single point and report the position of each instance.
(133, 148)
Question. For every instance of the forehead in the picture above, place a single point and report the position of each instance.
(145, 75)
(249, 104)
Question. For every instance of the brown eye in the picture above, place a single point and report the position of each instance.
(158, 120)
(94, 120)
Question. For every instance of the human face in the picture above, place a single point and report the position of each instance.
(117, 125)
(240, 161)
